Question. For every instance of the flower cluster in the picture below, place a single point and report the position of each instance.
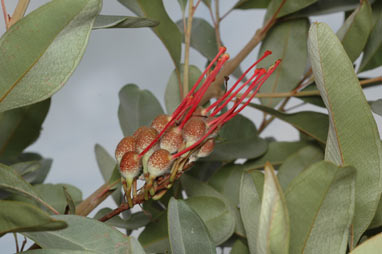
(173, 141)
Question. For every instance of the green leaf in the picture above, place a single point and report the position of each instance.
(377, 221)
(252, 4)
(239, 247)
(215, 215)
(167, 31)
(371, 246)
(137, 108)
(132, 5)
(313, 124)
(356, 29)
(35, 171)
(71, 206)
(57, 251)
(273, 234)
(288, 7)
(321, 192)
(20, 128)
(203, 37)
(187, 232)
(172, 96)
(276, 154)
(35, 63)
(227, 181)
(109, 170)
(182, 5)
(12, 182)
(23, 217)
(297, 163)
(372, 56)
(238, 144)
(111, 21)
(196, 188)
(54, 195)
(250, 205)
(376, 106)
(105, 161)
(134, 221)
(321, 7)
(154, 238)
(98, 237)
(286, 40)
(359, 145)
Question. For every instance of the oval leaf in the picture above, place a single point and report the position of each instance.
(187, 232)
(287, 8)
(135, 220)
(137, 108)
(21, 127)
(97, 237)
(359, 145)
(321, 192)
(44, 60)
(321, 7)
(34, 172)
(286, 40)
(23, 217)
(110, 21)
(214, 213)
(273, 234)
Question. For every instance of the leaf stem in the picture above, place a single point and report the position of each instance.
(16, 242)
(187, 40)
(19, 12)
(5, 14)
(217, 24)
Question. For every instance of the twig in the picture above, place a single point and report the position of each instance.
(19, 12)
(231, 65)
(17, 243)
(90, 203)
(23, 244)
(5, 14)
(187, 39)
(217, 24)
(226, 14)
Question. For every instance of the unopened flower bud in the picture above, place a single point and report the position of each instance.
(130, 166)
(206, 149)
(193, 130)
(159, 163)
(160, 122)
(127, 144)
(145, 137)
(172, 140)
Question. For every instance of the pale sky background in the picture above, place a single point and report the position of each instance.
(84, 112)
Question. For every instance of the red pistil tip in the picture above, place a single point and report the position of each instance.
(267, 53)
(226, 56)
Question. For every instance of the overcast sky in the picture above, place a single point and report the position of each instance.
(84, 112)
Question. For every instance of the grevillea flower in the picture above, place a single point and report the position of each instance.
(175, 140)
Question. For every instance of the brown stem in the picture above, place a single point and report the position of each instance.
(231, 65)
(19, 12)
(5, 14)
(90, 203)
(187, 39)
(217, 24)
